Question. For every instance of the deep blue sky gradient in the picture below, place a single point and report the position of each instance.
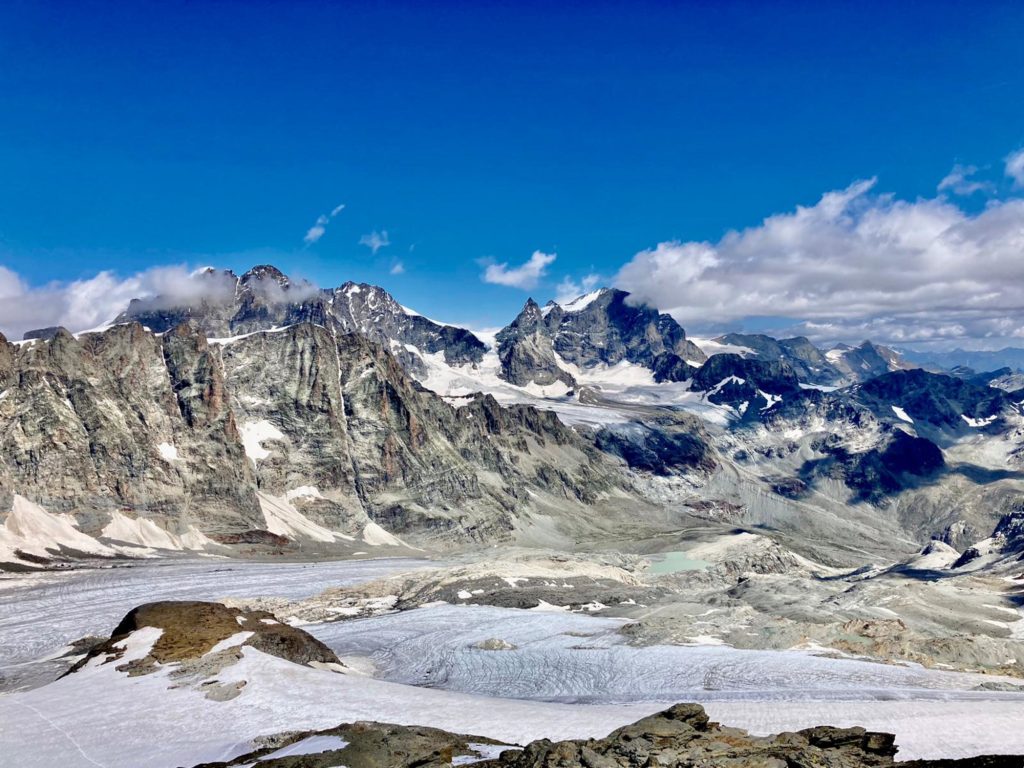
(141, 134)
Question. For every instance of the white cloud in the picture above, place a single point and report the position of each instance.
(959, 181)
(398, 268)
(318, 230)
(1015, 167)
(375, 240)
(855, 264)
(95, 301)
(569, 289)
(525, 276)
(84, 304)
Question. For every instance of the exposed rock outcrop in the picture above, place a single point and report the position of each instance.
(681, 736)
(601, 328)
(190, 630)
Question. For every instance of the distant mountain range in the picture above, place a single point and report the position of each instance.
(264, 413)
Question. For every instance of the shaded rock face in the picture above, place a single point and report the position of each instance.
(866, 361)
(191, 629)
(807, 361)
(729, 379)
(660, 448)
(600, 329)
(265, 298)
(681, 737)
(902, 461)
(942, 401)
(44, 333)
(124, 419)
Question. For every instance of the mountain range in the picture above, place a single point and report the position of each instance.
(264, 413)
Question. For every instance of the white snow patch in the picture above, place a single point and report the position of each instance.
(483, 752)
(254, 433)
(168, 452)
(546, 607)
(31, 529)
(311, 745)
(232, 339)
(978, 423)
(376, 536)
(140, 532)
(901, 414)
(284, 519)
(711, 347)
(303, 492)
(582, 302)
(230, 642)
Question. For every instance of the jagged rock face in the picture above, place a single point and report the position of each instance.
(1010, 529)
(807, 361)
(82, 422)
(730, 379)
(527, 352)
(265, 298)
(598, 329)
(187, 432)
(937, 399)
(866, 361)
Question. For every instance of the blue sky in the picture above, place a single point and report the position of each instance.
(217, 133)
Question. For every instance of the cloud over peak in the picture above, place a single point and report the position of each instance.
(525, 276)
(853, 265)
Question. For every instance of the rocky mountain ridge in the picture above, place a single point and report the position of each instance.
(299, 430)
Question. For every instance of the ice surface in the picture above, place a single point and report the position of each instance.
(133, 721)
(579, 658)
(41, 613)
(559, 656)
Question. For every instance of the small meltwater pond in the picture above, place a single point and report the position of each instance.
(675, 562)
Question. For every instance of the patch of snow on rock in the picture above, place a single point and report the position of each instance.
(254, 433)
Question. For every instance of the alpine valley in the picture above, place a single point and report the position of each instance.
(284, 525)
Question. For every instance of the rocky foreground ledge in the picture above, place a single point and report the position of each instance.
(200, 639)
(680, 737)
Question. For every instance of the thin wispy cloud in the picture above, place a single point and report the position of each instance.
(1015, 167)
(569, 289)
(524, 276)
(856, 264)
(319, 229)
(959, 181)
(398, 268)
(375, 240)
